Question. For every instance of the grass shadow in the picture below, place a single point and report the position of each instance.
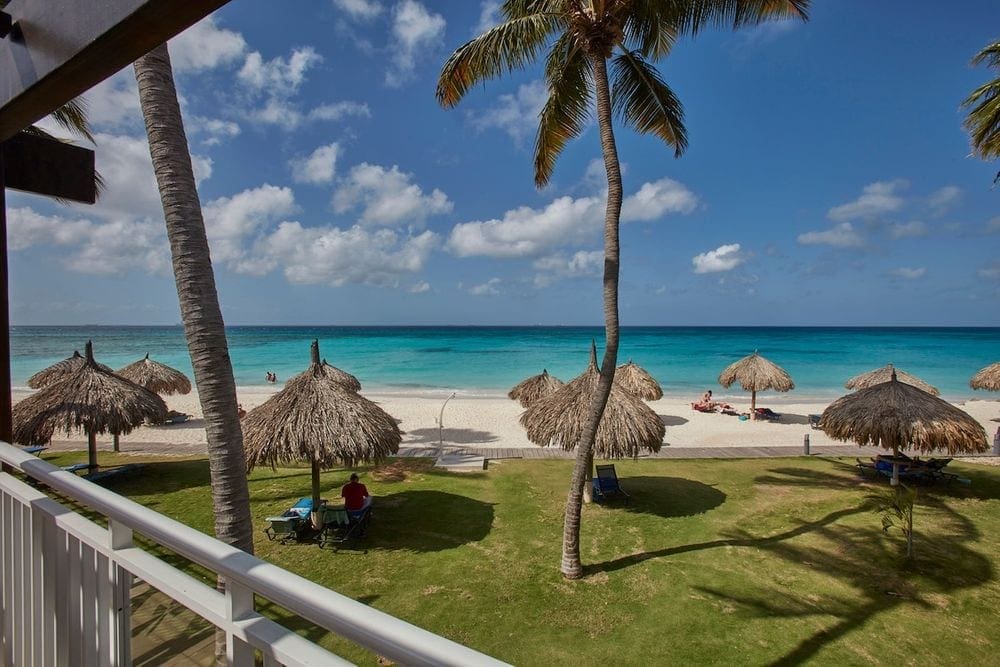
(426, 520)
(670, 497)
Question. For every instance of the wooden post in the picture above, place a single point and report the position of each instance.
(6, 423)
(805, 444)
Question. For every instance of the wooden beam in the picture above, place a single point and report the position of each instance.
(45, 166)
(59, 49)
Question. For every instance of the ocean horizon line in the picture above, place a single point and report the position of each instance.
(880, 327)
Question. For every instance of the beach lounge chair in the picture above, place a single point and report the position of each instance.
(175, 418)
(701, 407)
(768, 414)
(606, 484)
(292, 521)
(814, 420)
(340, 526)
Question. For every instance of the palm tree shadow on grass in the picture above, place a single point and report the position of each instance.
(669, 497)
(866, 560)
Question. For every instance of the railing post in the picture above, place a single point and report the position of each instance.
(120, 536)
(239, 605)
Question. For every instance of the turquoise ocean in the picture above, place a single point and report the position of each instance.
(686, 360)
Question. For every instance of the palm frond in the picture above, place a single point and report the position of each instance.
(73, 117)
(641, 99)
(646, 29)
(567, 110)
(512, 9)
(500, 50)
(983, 120)
(692, 16)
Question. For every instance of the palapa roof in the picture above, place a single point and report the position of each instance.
(92, 398)
(156, 377)
(896, 414)
(341, 377)
(528, 391)
(637, 380)
(314, 419)
(627, 426)
(884, 374)
(987, 378)
(60, 370)
(755, 373)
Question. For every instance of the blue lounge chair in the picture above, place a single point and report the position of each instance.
(292, 521)
(606, 484)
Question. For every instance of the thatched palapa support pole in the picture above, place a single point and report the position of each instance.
(755, 373)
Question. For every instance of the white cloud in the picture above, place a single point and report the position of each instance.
(419, 288)
(338, 110)
(205, 46)
(516, 114)
(656, 199)
(361, 10)
(723, 258)
(28, 228)
(278, 75)
(876, 199)
(333, 256)
(387, 197)
(489, 16)
(114, 101)
(230, 221)
(525, 232)
(416, 33)
(840, 236)
(941, 200)
(529, 232)
(215, 130)
(990, 272)
(490, 288)
(580, 265)
(318, 167)
(909, 273)
(906, 230)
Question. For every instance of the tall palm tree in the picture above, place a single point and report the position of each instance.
(581, 37)
(199, 302)
(983, 121)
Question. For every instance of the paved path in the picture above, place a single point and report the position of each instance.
(664, 453)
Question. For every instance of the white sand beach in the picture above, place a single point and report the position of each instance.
(492, 421)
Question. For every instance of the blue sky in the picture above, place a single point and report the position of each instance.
(828, 181)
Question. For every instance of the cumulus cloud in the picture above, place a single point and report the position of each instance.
(318, 167)
(338, 110)
(419, 288)
(876, 199)
(230, 221)
(387, 197)
(839, 236)
(656, 199)
(361, 10)
(215, 130)
(909, 273)
(724, 258)
(910, 229)
(416, 32)
(516, 114)
(579, 265)
(489, 16)
(333, 256)
(490, 288)
(205, 46)
(943, 199)
(529, 232)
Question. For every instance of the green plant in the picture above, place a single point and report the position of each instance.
(895, 508)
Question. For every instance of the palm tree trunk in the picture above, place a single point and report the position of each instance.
(204, 328)
(571, 566)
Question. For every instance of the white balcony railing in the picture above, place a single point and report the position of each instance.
(67, 581)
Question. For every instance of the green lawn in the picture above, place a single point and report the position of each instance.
(756, 561)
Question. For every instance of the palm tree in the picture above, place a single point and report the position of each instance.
(582, 36)
(199, 302)
(983, 121)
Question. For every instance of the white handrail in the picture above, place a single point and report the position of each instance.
(373, 629)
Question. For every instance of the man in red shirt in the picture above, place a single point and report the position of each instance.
(355, 495)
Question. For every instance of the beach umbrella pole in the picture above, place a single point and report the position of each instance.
(314, 516)
(753, 405)
(114, 443)
(92, 450)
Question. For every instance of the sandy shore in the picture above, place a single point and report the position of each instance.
(492, 421)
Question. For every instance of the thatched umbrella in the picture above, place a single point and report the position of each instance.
(156, 377)
(628, 424)
(92, 398)
(320, 421)
(636, 379)
(884, 374)
(988, 378)
(755, 373)
(340, 377)
(528, 391)
(60, 371)
(897, 415)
